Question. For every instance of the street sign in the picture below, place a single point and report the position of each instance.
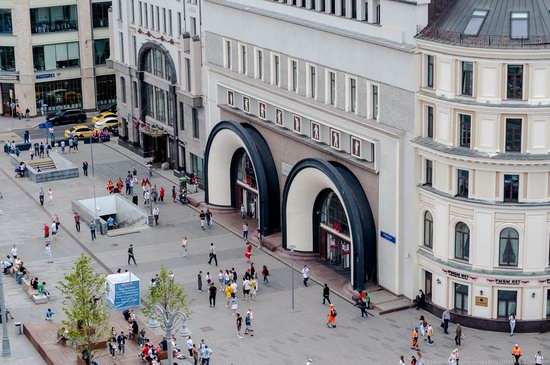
(45, 76)
(387, 236)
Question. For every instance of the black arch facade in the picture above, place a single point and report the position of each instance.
(264, 166)
(360, 218)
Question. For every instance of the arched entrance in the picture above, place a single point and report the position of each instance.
(326, 211)
(239, 169)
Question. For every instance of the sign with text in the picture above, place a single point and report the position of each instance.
(387, 236)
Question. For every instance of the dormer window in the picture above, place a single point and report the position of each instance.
(520, 25)
(476, 21)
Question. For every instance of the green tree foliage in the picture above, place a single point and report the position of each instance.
(168, 295)
(82, 291)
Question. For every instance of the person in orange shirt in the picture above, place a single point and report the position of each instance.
(516, 352)
(119, 185)
(331, 317)
(414, 336)
(110, 187)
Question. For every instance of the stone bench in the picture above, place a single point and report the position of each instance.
(37, 298)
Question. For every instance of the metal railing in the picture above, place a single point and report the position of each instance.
(480, 41)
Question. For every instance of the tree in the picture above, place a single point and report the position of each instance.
(86, 312)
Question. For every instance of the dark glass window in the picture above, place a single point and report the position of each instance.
(374, 101)
(430, 121)
(54, 19)
(507, 302)
(334, 215)
(197, 168)
(245, 172)
(135, 94)
(332, 76)
(514, 84)
(428, 229)
(123, 89)
(467, 78)
(429, 172)
(56, 56)
(513, 135)
(508, 248)
(462, 183)
(196, 126)
(465, 129)
(101, 51)
(548, 303)
(7, 59)
(105, 90)
(181, 116)
(462, 241)
(461, 297)
(430, 72)
(476, 21)
(100, 14)
(511, 188)
(5, 21)
(64, 94)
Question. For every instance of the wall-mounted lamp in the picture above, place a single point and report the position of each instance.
(438, 282)
(533, 294)
(481, 292)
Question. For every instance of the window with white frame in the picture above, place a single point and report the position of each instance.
(227, 53)
(293, 75)
(170, 30)
(351, 94)
(373, 95)
(133, 11)
(259, 64)
(275, 69)
(121, 41)
(164, 22)
(330, 87)
(242, 58)
(312, 81)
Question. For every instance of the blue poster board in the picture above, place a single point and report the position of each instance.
(123, 290)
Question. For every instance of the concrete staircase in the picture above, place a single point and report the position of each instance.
(44, 165)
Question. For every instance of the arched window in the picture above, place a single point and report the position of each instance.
(462, 241)
(508, 248)
(428, 229)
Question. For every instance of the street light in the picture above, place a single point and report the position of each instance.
(292, 247)
(6, 350)
(96, 208)
(170, 322)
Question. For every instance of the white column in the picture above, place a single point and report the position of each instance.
(371, 5)
(318, 5)
(348, 8)
(338, 9)
(361, 9)
(299, 3)
(328, 6)
(309, 4)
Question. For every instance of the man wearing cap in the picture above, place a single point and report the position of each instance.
(516, 352)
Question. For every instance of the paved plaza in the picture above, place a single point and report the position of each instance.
(283, 336)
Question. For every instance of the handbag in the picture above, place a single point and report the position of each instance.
(442, 325)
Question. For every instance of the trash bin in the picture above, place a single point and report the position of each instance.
(19, 277)
(18, 328)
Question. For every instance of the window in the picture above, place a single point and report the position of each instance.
(146, 15)
(121, 40)
(123, 89)
(135, 49)
(465, 129)
(170, 30)
(276, 71)
(331, 84)
(462, 241)
(62, 94)
(193, 25)
(461, 297)
(188, 73)
(430, 72)
(55, 19)
(430, 122)
(429, 173)
(242, 58)
(105, 87)
(133, 11)
(140, 13)
(508, 247)
(476, 22)
(462, 184)
(259, 64)
(467, 78)
(548, 303)
(312, 76)
(56, 56)
(513, 135)
(507, 300)
(514, 83)
(101, 51)
(197, 168)
(6, 25)
(293, 82)
(511, 188)
(152, 11)
(100, 14)
(428, 229)
(157, 13)
(227, 53)
(179, 24)
(119, 9)
(181, 116)
(195, 116)
(374, 101)
(7, 59)
(135, 94)
(519, 28)
(352, 91)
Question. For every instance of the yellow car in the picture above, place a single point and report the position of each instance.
(109, 124)
(79, 131)
(102, 116)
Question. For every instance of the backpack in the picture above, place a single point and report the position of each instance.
(334, 313)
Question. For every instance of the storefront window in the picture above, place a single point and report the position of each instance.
(56, 56)
(333, 214)
(105, 90)
(100, 13)
(54, 19)
(461, 297)
(245, 172)
(7, 59)
(65, 94)
(101, 51)
(507, 300)
(5, 21)
(197, 168)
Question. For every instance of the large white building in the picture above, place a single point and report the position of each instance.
(483, 143)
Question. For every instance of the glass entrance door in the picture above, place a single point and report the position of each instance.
(507, 303)
(428, 285)
(461, 298)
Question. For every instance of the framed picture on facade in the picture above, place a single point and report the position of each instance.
(297, 124)
(279, 117)
(316, 131)
(246, 104)
(261, 109)
(355, 147)
(230, 98)
(335, 139)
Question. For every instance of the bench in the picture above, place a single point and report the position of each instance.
(37, 298)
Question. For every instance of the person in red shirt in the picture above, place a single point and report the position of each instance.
(161, 194)
(46, 231)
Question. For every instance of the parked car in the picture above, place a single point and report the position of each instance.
(67, 116)
(109, 124)
(109, 108)
(103, 115)
(79, 131)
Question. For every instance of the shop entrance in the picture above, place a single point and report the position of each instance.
(7, 97)
(155, 145)
(246, 186)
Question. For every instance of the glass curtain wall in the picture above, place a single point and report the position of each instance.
(64, 94)
(54, 19)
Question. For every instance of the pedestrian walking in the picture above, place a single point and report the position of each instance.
(190, 345)
(41, 196)
(48, 253)
(174, 195)
(419, 356)
(248, 330)
(156, 214)
(234, 304)
(512, 321)
(305, 274)
(199, 281)
(196, 354)
(245, 231)
(27, 114)
(50, 196)
(77, 221)
(14, 252)
(206, 353)
(430, 334)
(243, 212)
(516, 352)
(239, 325)
(420, 299)
(414, 343)
(265, 274)
(361, 303)
(202, 217)
(212, 254)
(413, 360)
(54, 230)
(538, 358)
(331, 316)
(326, 294)
(46, 231)
(121, 340)
(49, 314)
(161, 194)
(112, 347)
(184, 251)
(131, 254)
(458, 334)
(208, 218)
(212, 291)
(445, 317)
(93, 227)
(401, 360)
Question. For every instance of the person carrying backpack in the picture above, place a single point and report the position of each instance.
(332, 317)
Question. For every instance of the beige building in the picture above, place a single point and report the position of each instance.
(53, 55)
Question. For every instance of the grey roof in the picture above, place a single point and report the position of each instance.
(495, 31)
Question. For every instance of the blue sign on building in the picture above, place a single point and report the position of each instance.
(387, 236)
(45, 76)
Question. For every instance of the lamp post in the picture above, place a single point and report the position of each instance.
(6, 350)
(292, 247)
(96, 208)
(170, 321)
